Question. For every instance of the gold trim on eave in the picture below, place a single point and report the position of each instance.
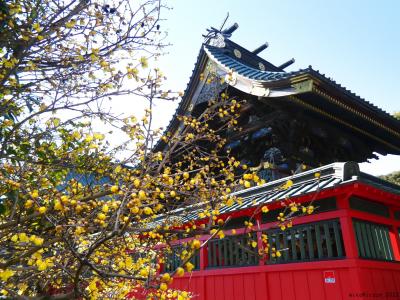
(301, 102)
(337, 102)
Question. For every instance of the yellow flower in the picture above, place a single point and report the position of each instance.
(128, 262)
(105, 208)
(88, 138)
(166, 277)
(136, 183)
(264, 209)
(42, 209)
(183, 296)
(144, 63)
(104, 64)
(28, 203)
(98, 136)
(142, 195)
(114, 189)
(35, 194)
(144, 272)
(118, 169)
(147, 210)
(248, 176)
(4, 275)
(93, 285)
(180, 271)
(76, 134)
(79, 230)
(70, 24)
(58, 205)
(78, 208)
(23, 237)
(163, 286)
(42, 265)
(101, 216)
(36, 26)
(158, 156)
(288, 184)
(134, 210)
(22, 287)
(189, 266)
(196, 244)
(38, 241)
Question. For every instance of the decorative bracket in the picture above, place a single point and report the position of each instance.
(303, 87)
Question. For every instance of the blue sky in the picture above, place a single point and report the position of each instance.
(357, 43)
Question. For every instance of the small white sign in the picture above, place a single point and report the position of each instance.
(329, 277)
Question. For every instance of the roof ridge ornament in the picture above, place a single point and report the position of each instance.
(217, 41)
(287, 64)
(216, 37)
(228, 32)
(261, 48)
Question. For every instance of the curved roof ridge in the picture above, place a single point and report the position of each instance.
(218, 55)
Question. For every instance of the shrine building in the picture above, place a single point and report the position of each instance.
(299, 123)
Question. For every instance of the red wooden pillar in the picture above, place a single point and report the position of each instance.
(394, 237)
(203, 257)
(350, 243)
(259, 239)
(349, 237)
(203, 266)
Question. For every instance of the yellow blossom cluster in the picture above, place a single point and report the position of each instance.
(78, 216)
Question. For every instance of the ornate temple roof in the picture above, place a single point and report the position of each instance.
(308, 88)
(223, 58)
